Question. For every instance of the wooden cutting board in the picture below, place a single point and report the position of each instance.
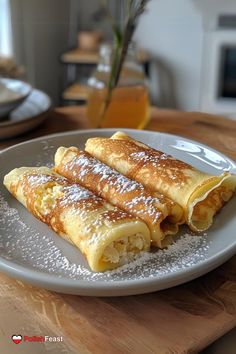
(184, 319)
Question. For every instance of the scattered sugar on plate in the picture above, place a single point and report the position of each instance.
(24, 245)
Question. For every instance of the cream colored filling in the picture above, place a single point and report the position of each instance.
(46, 199)
(204, 211)
(123, 249)
(119, 251)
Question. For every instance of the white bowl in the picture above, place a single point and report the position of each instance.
(12, 93)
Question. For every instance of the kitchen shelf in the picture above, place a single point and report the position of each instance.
(76, 92)
(80, 56)
(77, 61)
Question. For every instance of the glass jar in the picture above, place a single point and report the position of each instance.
(129, 104)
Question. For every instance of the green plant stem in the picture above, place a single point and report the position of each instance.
(111, 84)
(133, 11)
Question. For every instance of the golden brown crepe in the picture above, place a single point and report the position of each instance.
(200, 195)
(161, 215)
(106, 235)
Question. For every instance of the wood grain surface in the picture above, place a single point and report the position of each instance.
(215, 131)
(184, 319)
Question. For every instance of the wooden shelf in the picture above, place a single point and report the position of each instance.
(76, 92)
(79, 56)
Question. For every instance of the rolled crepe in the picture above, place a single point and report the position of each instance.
(106, 235)
(161, 215)
(200, 195)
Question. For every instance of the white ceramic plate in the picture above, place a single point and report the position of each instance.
(12, 94)
(30, 251)
(27, 115)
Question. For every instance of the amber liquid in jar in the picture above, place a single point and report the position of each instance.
(129, 102)
(128, 108)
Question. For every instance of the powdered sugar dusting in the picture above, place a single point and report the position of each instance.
(47, 149)
(145, 156)
(139, 202)
(90, 165)
(177, 256)
(71, 193)
(164, 166)
(27, 246)
(38, 179)
(74, 193)
(81, 201)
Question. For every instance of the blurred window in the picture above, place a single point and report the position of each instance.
(5, 29)
(228, 72)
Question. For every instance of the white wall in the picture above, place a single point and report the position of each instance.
(171, 30)
(82, 18)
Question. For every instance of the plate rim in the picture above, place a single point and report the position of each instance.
(73, 132)
(133, 286)
(22, 97)
(10, 124)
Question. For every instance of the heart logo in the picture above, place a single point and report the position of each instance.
(16, 338)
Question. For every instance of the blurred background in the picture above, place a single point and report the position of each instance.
(188, 49)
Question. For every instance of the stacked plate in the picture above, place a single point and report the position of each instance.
(21, 107)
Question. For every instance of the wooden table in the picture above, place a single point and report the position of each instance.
(184, 319)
